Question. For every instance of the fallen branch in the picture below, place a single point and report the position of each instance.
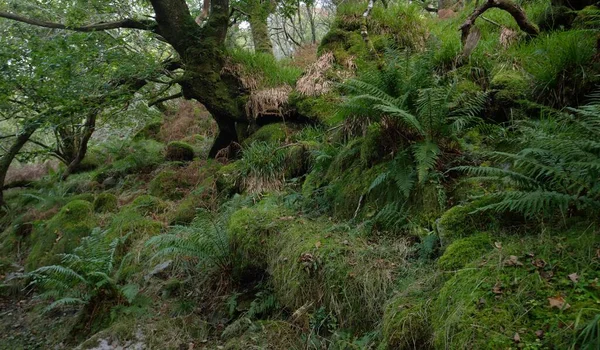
(515, 11)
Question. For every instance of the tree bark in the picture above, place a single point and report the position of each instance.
(515, 11)
(88, 129)
(12, 152)
(260, 34)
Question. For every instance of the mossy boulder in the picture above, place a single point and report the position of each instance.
(464, 220)
(148, 205)
(88, 197)
(406, 323)
(168, 185)
(536, 287)
(106, 202)
(228, 179)
(179, 151)
(61, 234)
(149, 131)
(271, 133)
(465, 250)
(186, 210)
(510, 86)
(250, 231)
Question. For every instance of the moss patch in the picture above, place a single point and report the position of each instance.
(462, 251)
(179, 151)
(106, 202)
(61, 234)
(147, 205)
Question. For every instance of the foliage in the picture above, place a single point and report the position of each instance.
(556, 171)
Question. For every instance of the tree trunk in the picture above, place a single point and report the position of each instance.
(14, 149)
(260, 34)
(311, 20)
(88, 129)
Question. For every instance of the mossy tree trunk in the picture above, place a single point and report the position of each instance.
(12, 152)
(202, 56)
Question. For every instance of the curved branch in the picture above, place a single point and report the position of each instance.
(164, 99)
(515, 10)
(126, 23)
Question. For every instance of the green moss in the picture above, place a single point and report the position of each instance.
(132, 223)
(228, 179)
(147, 205)
(485, 305)
(149, 131)
(140, 157)
(465, 250)
(106, 202)
(61, 234)
(371, 150)
(186, 210)
(318, 108)
(179, 151)
(511, 86)
(168, 184)
(88, 197)
(463, 220)
(250, 230)
(272, 133)
(311, 264)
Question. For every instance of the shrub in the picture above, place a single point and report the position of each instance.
(179, 151)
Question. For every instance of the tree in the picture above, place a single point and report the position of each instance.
(201, 56)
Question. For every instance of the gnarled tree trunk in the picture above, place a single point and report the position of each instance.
(12, 152)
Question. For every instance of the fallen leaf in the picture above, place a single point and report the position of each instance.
(539, 333)
(318, 244)
(498, 245)
(530, 254)
(547, 274)
(497, 289)
(574, 277)
(558, 302)
(517, 338)
(512, 260)
(538, 263)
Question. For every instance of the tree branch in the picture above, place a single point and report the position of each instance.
(506, 5)
(164, 99)
(126, 23)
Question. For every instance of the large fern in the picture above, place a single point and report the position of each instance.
(557, 169)
(92, 270)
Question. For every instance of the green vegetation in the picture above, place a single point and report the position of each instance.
(374, 181)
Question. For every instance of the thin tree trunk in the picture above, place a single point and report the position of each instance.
(14, 149)
(88, 129)
(260, 33)
(311, 20)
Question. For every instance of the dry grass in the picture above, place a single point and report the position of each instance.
(305, 55)
(190, 118)
(314, 82)
(249, 81)
(507, 37)
(25, 173)
(267, 102)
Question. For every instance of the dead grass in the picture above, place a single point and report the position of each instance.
(25, 173)
(249, 81)
(314, 81)
(305, 55)
(190, 118)
(268, 102)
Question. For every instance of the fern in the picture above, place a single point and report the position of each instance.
(557, 169)
(85, 274)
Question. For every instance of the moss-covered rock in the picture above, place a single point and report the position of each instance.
(527, 288)
(147, 205)
(463, 251)
(179, 151)
(88, 197)
(406, 323)
(61, 234)
(106, 202)
(511, 86)
(228, 179)
(272, 133)
(168, 185)
(464, 220)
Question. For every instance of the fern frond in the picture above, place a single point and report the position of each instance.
(426, 155)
